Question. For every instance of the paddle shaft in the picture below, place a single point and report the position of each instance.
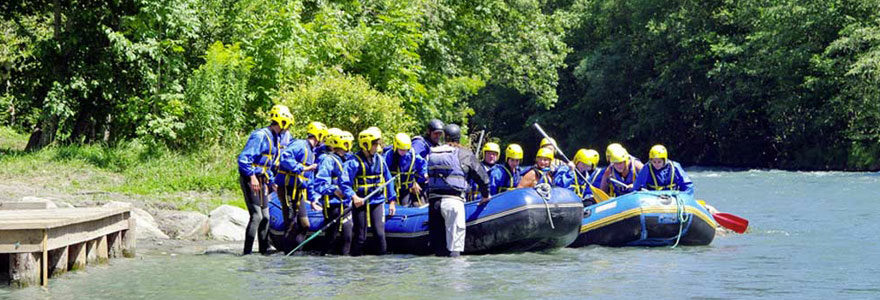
(342, 215)
(480, 144)
(576, 171)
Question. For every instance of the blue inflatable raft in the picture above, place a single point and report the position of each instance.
(514, 221)
(656, 218)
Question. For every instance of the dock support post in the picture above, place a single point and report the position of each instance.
(129, 241)
(24, 269)
(44, 262)
(103, 252)
(76, 259)
(114, 244)
(91, 251)
(58, 261)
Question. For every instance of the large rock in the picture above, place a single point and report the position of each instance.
(228, 223)
(185, 225)
(145, 223)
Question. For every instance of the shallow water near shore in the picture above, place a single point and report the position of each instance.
(812, 235)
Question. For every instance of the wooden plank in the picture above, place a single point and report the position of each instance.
(51, 218)
(77, 233)
(20, 241)
(23, 205)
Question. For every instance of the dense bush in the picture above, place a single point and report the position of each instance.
(346, 102)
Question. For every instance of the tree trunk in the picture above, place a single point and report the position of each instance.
(45, 133)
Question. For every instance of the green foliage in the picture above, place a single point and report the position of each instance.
(215, 94)
(346, 102)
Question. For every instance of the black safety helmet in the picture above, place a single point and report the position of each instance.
(453, 133)
(434, 125)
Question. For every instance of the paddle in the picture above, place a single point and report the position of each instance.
(729, 221)
(598, 194)
(343, 214)
(732, 222)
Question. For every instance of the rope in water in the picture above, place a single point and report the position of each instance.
(683, 217)
(544, 190)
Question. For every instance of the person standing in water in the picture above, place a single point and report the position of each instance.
(257, 163)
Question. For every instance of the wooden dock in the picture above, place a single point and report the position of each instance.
(36, 244)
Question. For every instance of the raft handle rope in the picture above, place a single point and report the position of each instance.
(681, 213)
(544, 190)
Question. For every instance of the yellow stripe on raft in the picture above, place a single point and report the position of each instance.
(645, 210)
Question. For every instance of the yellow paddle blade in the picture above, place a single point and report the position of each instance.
(599, 195)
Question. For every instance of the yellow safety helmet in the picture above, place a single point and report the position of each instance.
(610, 149)
(617, 154)
(366, 137)
(376, 129)
(493, 147)
(658, 151)
(588, 157)
(547, 141)
(277, 108)
(339, 139)
(402, 142)
(333, 131)
(545, 153)
(280, 114)
(318, 130)
(513, 151)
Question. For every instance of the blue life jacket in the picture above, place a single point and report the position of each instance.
(502, 178)
(543, 174)
(474, 189)
(421, 146)
(260, 154)
(370, 174)
(617, 190)
(444, 170)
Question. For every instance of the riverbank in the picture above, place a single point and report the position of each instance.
(148, 177)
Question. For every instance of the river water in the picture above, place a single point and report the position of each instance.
(812, 235)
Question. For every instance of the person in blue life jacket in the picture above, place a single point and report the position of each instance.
(333, 184)
(413, 171)
(257, 163)
(585, 174)
(367, 171)
(540, 172)
(321, 147)
(555, 163)
(506, 176)
(624, 169)
(296, 172)
(490, 153)
(433, 133)
(663, 174)
(449, 168)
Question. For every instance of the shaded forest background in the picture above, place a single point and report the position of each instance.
(751, 83)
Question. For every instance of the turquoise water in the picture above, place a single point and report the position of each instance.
(812, 235)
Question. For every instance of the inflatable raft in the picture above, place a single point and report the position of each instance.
(514, 221)
(657, 218)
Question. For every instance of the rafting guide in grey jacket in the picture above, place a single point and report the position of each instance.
(450, 166)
